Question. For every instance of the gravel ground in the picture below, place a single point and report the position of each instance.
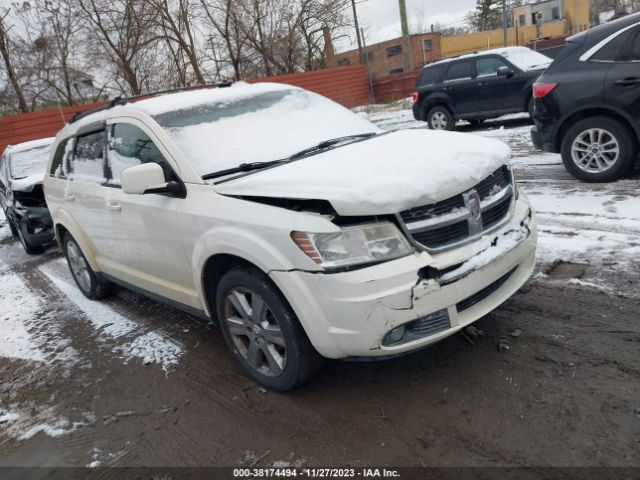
(131, 382)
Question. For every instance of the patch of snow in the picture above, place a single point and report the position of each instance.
(20, 307)
(94, 464)
(31, 420)
(150, 347)
(382, 175)
(522, 57)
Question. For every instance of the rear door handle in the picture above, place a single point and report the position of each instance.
(627, 82)
(69, 198)
(113, 206)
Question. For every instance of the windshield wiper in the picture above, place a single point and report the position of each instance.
(243, 167)
(329, 143)
(248, 167)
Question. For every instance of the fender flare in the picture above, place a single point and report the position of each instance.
(65, 220)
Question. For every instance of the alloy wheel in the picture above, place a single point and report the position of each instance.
(255, 331)
(595, 150)
(78, 265)
(439, 121)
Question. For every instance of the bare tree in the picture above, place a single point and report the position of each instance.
(228, 18)
(5, 48)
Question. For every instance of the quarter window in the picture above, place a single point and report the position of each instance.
(488, 67)
(631, 53)
(130, 146)
(62, 158)
(611, 51)
(460, 71)
(88, 162)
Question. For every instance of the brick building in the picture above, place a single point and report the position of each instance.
(386, 58)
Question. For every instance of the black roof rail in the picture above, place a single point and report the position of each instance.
(124, 100)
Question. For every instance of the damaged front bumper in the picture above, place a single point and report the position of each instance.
(35, 223)
(352, 314)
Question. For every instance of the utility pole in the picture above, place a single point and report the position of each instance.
(355, 20)
(406, 39)
(504, 22)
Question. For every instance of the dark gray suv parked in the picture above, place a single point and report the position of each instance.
(477, 87)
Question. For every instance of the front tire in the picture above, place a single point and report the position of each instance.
(92, 287)
(598, 149)
(440, 118)
(262, 331)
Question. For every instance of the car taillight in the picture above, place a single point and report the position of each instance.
(414, 97)
(541, 90)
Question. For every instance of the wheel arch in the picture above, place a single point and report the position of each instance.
(65, 224)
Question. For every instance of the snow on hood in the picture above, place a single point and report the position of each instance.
(27, 184)
(383, 175)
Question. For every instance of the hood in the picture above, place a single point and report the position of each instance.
(27, 184)
(383, 175)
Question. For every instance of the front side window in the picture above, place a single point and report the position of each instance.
(87, 164)
(488, 67)
(460, 71)
(130, 146)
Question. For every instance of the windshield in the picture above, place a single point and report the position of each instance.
(223, 128)
(32, 161)
(526, 59)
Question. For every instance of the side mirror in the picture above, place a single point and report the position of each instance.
(149, 178)
(505, 72)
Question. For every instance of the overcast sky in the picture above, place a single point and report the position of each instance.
(381, 18)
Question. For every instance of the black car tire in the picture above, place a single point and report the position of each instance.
(30, 248)
(299, 359)
(91, 286)
(628, 149)
(444, 115)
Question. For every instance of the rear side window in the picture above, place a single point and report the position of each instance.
(130, 146)
(460, 71)
(61, 159)
(430, 75)
(87, 164)
(631, 52)
(612, 50)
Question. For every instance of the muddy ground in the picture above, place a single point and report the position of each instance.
(566, 394)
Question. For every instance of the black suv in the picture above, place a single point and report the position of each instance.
(477, 87)
(22, 170)
(587, 104)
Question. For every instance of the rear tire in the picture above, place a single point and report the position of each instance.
(440, 118)
(262, 331)
(598, 149)
(91, 286)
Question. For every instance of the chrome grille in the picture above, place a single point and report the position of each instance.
(454, 221)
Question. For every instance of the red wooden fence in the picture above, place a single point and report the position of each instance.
(395, 87)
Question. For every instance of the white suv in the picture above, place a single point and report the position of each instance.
(303, 229)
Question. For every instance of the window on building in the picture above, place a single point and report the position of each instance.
(344, 61)
(427, 45)
(555, 13)
(396, 71)
(367, 57)
(460, 71)
(522, 20)
(130, 146)
(394, 51)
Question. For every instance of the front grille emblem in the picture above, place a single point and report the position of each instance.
(472, 202)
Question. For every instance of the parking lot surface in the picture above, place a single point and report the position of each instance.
(131, 382)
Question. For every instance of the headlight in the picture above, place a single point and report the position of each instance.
(354, 245)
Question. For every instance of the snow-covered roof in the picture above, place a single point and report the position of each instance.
(522, 57)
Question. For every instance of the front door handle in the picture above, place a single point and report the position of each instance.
(627, 82)
(113, 206)
(69, 198)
